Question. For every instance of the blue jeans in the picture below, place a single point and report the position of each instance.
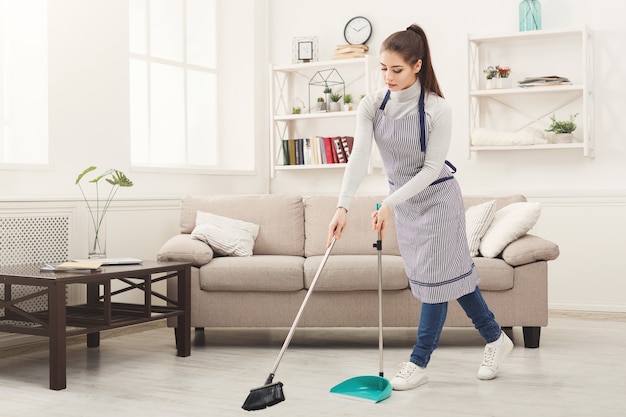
(434, 315)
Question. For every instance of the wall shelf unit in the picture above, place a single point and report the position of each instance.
(565, 53)
(290, 85)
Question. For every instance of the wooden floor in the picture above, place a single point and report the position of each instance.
(579, 370)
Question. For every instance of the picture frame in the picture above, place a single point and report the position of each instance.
(305, 49)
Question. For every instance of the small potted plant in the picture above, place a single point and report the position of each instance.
(321, 104)
(348, 105)
(490, 75)
(327, 92)
(297, 106)
(334, 102)
(502, 79)
(562, 129)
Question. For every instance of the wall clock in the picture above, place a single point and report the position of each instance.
(358, 30)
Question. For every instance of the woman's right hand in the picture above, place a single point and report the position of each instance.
(337, 225)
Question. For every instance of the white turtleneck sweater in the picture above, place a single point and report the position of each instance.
(400, 104)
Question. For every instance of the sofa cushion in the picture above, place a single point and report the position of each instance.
(358, 236)
(280, 217)
(494, 273)
(501, 201)
(355, 273)
(510, 223)
(528, 249)
(253, 273)
(182, 248)
(228, 237)
(478, 218)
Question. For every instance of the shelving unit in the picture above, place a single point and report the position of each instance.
(289, 84)
(566, 53)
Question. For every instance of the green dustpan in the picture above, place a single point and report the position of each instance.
(368, 388)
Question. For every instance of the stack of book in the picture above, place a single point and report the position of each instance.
(543, 81)
(317, 150)
(350, 51)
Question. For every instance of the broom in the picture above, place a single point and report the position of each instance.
(271, 393)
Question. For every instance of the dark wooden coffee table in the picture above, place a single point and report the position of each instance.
(99, 312)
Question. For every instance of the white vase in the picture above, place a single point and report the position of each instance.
(562, 138)
(502, 82)
(335, 106)
(490, 83)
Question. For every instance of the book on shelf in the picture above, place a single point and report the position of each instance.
(299, 151)
(285, 144)
(347, 142)
(322, 148)
(307, 151)
(350, 55)
(328, 149)
(316, 155)
(350, 51)
(341, 158)
(543, 81)
(290, 152)
(317, 150)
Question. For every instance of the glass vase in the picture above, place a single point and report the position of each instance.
(97, 239)
(529, 15)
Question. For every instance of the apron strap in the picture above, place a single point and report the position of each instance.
(384, 103)
(452, 167)
(422, 121)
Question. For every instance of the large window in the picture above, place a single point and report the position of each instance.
(23, 83)
(173, 83)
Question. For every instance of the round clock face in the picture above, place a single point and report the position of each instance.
(357, 31)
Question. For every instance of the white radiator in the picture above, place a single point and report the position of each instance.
(32, 239)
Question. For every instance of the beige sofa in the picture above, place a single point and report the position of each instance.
(267, 288)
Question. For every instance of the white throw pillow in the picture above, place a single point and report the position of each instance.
(478, 218)
(226, 236)
(510, 223)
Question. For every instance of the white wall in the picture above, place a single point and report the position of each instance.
(584, 199)
(89, 103)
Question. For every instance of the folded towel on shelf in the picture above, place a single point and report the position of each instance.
(491, 137)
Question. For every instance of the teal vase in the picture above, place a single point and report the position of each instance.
(529, 15)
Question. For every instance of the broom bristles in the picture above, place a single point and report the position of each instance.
(263, 397)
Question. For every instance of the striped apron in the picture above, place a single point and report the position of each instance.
(430, 225)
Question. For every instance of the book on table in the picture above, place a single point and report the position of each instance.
(72, 266)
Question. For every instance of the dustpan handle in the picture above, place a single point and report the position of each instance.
(306, 298)
(379, 246)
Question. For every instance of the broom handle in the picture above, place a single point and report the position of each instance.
(306, 298)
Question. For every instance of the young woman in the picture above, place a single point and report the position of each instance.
(411, 124)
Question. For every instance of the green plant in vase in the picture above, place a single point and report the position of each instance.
(115, 179)
(562, 126)
(348, 104)
(562, 129)
(334, 101)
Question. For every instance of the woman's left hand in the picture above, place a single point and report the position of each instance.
(379, 220)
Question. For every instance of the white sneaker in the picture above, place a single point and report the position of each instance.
(494, 353)
(408, 377)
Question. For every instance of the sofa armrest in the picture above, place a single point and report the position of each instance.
(182, 248)
(529, 248)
